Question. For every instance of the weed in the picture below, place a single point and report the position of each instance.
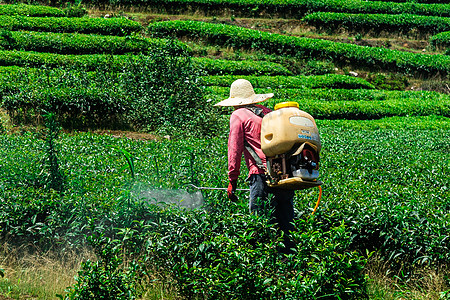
(55, 174)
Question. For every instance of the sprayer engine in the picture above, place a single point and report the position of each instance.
(304, 164)
(290, 140)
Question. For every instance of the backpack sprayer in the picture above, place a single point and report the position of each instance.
(291, 142)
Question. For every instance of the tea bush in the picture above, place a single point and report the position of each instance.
(284, 9)
(317, 67)
(245, 67)
(92, 62)
(235, 247)
(389, 60)
(363, 104)
(401, 217)
(113, 26)
(377, 23)
(440, 40)
(388, 81)
(233, 256)
(105, 278)
(354, 103)
(76, 43)
(278, 82)
(20, 9)
(385, 190)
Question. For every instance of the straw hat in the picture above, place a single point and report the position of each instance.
(242, 93)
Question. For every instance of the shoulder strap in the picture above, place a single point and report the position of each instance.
(255, 156)
(259, 112)
(256, 110)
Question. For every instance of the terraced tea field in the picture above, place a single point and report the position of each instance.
(105, 103)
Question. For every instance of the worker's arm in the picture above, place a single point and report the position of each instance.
(235, 146)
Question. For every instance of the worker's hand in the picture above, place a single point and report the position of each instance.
(231, 190)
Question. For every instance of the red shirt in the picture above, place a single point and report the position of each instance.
(244, 124)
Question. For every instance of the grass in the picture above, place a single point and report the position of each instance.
(32, 274)
(40, 275)
(426, 285)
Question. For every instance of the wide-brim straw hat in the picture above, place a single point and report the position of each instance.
(242, 93)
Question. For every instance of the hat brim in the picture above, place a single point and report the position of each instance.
(257, 98)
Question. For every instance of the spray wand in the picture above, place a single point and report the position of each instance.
(214, 188)
(246, 190)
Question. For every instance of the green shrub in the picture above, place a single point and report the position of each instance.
(105, 278)
(278, 82)
(113, 26)
(91, 62)
(284, 9)
(168, 97)
(164, 94)
(75, 43)
(440, 40)
(225, 256)
(41, 11)
(377, 23)
(391, 60)
(387, 81)
(314, 67)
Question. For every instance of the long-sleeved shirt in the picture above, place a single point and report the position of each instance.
(244, 124)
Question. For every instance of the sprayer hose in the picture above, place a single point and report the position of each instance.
(318, 200)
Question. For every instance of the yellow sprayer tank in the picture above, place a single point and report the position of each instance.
(290, 140)
(286, 127)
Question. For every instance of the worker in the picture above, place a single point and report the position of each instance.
(244, 137)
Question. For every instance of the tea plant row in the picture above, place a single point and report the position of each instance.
(93, 62)
(440, 40)
(234, 36)
(76, 43)
(287, 8)
(40, 11)
(104, 95)
(357, 103)
(101, 97)
(110, 26)
(416, 1)
(335, 81)
(400, 23)
(13, 78)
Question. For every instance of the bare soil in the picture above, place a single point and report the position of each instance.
(131, 135)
